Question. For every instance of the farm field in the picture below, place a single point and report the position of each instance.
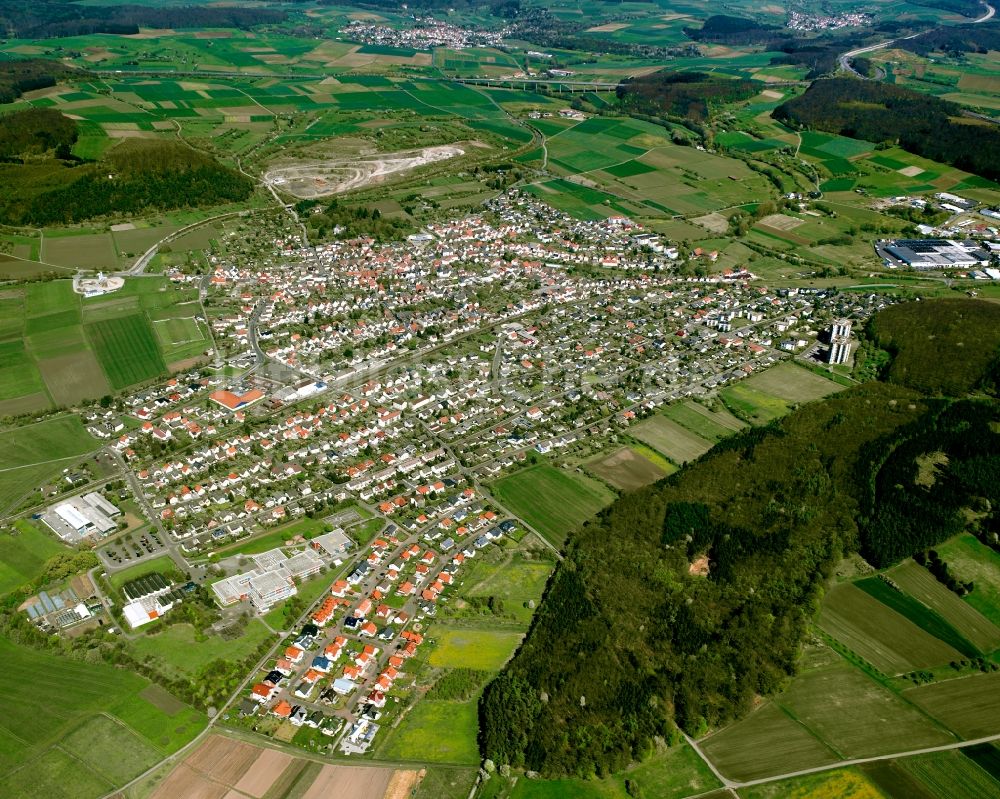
(552, 500)
(972, 561)
(855, 716)
(969, 706)
(224, 766)
(711, 425)
(951, 775)
(85, 721)
(847, 783)
(60, 348)
(792, 383)
(670, 439)
(463, 648)
(919, 583)
(879, 634)
(766, 742)
(752, 405)
(625, 469)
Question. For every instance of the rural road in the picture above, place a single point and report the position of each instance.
(845, 58)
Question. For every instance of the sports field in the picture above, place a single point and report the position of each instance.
(669, 438)
(552, 500)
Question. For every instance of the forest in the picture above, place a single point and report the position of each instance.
(920, 123)
(683, 94)
(630, 643)
(134, 178)
(24, 75)
(956, 40)
(36, 131)
(51, 18)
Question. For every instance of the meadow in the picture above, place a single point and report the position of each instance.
(35, 453)
(516, 581)
(969, 560)
(552, 500)
(792, 383)
(24, 551)
(184, 653)
(435, 732)
(710, 425)
(465, 648)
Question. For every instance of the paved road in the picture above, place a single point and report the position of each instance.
(845, 58)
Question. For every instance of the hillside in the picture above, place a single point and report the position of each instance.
(134, 178)
(920, 123)
(24, 75)
(628, 642)
(36, 131)
(946, 347)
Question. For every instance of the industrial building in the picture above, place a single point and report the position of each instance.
(932, 253)
(77, 518)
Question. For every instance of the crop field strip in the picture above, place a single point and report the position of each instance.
(918, 582)
(879, 634)
(969, 706)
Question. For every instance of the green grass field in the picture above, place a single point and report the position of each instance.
(34, 453)
(126, 349)
(879, 634)
(66, 696)
(968, 559)
(482, 650)
(182, 652)
(552, 500)
(703, 422)
(515, 582)
(436, 732)
(792, 383)
(753, 405)
(23, 554)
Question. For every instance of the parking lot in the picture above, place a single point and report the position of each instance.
(137, 545)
